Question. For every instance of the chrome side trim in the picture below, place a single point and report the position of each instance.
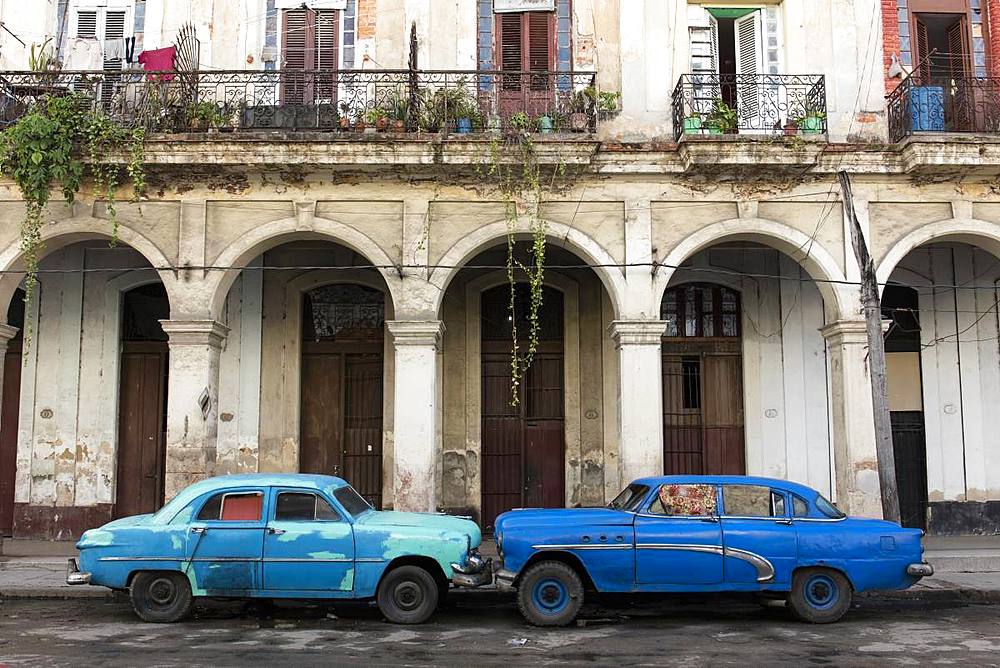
(582, 546)
(369, 560)
(765, 569)
(818, 519)
(680, 547)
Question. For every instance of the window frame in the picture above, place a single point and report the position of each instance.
(273, 515)
(773, 492)
(258, 491)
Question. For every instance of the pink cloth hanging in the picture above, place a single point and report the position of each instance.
(159, 60)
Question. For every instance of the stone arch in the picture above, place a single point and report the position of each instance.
(971, 231)
(558, 234)
(240, 252)
(838, 297)
(73, 230)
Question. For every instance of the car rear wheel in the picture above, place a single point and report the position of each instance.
(408, 595)
(161, 597)
(820, 595)
(550, 594)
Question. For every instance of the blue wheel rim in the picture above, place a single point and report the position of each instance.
(821, 592)
(550, 596)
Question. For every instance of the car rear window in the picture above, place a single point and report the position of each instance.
(828, 508)
(752, 501)
(233, 507)
(629, 498)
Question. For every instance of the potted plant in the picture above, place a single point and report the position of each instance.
(377, 120)
(203, 115)
(693, 124)
(582, 102)
(544, 123)
(399, 110)
(344, 121)
(519, 121)
(722, 119)
(791, 127)
(812, 122)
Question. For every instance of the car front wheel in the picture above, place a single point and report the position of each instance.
(408, 595)
(820, 595)
(550, 594)
(161, 597)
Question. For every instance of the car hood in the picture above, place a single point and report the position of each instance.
(562, 517)
(431, 521)
(127, 521)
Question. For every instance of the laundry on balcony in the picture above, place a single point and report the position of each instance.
(159, 62)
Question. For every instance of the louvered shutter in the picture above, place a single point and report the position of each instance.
(957, 51)
(326, 49)
(114, 28)
(923, 49)
(295, 54)
(540, 47)
(510, 40)
(86, 24)
(749, 64)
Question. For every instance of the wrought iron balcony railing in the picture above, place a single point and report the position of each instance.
(750, 104)
(925, 103)
(335, 100)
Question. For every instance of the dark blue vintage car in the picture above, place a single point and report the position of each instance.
(704, 534)
(279, 536)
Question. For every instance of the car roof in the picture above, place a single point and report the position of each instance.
(193, 491)
(787, 485)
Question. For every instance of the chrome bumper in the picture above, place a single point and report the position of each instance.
(74, 576)
(921, 570)
(475, 572)
(505, 579)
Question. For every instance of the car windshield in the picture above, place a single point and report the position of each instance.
(828, 508)
(352, 502)
(630, 498)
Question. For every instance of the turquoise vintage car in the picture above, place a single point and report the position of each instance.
(279, 536)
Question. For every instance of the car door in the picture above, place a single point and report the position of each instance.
(760, 544)
(225, 541)
(678, 537)
(308, 544)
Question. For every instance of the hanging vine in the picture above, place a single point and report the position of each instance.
(45, 148)
(518, 179)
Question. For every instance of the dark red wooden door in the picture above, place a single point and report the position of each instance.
(363, 424)
(321, 448)
(523, 445)
(8, 433)
(141, 437)
(525, 43)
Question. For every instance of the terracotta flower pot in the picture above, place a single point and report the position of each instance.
(345, 123)
(579, 121)
(399, 125)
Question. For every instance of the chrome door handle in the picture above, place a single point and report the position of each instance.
(275, 532)
(198, 529)
(783, 521)
(710, 519)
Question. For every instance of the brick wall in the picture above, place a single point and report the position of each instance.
(366, 19)
(991, 27)
(890, 39)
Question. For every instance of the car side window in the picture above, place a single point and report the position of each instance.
(684, 501)
(233, 507)
(799, 507)
(303, 507)
(752, 501)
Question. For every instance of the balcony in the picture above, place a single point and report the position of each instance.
(749, 104)
(348, 101)
(923, 103)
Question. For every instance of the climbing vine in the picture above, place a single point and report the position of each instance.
(46, 148)
(514, 167)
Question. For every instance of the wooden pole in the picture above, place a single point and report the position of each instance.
(876, 359)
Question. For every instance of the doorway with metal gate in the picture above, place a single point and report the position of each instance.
(523, 443)
(9, 414)
(703, 426)
(341, 385)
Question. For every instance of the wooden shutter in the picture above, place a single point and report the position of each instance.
(295, 36)
(310, 44)
(510, 38)
(749, 64)
(114, 28)
(540, 46)
(326, 50)
(86, 24)
(957, 49)
(923, 47)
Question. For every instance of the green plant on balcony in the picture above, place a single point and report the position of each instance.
(377, 118)
(608, 102)
(579, 108)
(520, 121)
(398, 109)
(46, 148)
(204, 115)
(722, 119)
(811, 123)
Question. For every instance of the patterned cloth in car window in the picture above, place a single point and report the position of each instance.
(691, 500)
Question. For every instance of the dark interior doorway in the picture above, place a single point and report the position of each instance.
(142, 401)
(523, 445)
(901, 305)
(9, 409)
(942, 44)
(703, 426)
(727, 59)
(341, 406)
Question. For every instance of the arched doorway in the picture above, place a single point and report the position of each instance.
(523, 445)
(703, 429)
(342, 371)
(142, 401)
(9, 414)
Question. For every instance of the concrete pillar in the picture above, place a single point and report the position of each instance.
(854, 454)
(192, 400)
(417, 411)
(640, 397)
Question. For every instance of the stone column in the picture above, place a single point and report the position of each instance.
(192, 400)
(854, 454)
(640, 397)
(415, 424)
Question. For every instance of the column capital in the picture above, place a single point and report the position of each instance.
(195, 332)
(416, 332)
(637, 332)
(7, 332)
(846, 331)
